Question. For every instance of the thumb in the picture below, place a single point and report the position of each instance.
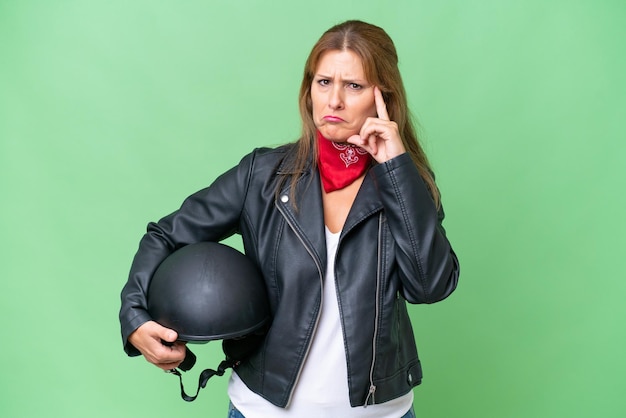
(166, 334)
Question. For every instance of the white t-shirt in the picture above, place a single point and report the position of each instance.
(322, 388)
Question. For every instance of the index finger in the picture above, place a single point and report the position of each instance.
(381, 106)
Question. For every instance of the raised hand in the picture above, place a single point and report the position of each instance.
(379, 136)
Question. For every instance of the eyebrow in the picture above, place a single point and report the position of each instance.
(345, 80)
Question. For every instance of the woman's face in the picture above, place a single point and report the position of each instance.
(341, 96)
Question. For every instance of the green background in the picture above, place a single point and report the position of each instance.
(111, 112)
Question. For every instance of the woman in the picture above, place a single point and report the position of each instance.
(344, 224)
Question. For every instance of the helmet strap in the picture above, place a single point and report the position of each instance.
(203, 379)
(189, 360)
(235, 350)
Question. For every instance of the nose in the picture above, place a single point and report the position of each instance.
(335, 97)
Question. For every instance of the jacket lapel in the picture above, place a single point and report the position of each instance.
(365, 204)
(307, 219)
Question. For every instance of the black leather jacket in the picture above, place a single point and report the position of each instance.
(392, 249)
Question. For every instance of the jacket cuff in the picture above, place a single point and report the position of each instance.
(401, 160)
(128, 327)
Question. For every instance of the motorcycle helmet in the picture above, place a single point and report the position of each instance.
(209, 291)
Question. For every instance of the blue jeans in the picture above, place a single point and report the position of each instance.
(234, 413)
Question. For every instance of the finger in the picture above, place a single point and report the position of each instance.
(166, 334)
(381, 106)
(375, 127)
(373, 142)
(361, 142)
(367, 141)
(356, 140)
(167, 355)
(168, 366)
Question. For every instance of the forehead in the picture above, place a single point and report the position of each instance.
(344, 63)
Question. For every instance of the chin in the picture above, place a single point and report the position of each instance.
(334, 135)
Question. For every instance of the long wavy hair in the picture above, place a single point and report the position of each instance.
(380, 64)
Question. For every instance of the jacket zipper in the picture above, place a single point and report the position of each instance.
(317, 319)
(372, 389)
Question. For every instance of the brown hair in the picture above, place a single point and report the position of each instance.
(380, 64)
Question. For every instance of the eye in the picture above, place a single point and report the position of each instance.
(354, 86)
(323, 82)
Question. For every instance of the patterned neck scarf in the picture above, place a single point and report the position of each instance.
(340, 163)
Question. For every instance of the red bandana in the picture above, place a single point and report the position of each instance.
(340, 163)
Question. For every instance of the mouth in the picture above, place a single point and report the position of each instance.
(331, 118)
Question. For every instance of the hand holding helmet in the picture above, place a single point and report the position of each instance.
(158, 345)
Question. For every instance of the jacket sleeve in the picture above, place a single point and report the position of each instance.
(429, 268)
(211, 214)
